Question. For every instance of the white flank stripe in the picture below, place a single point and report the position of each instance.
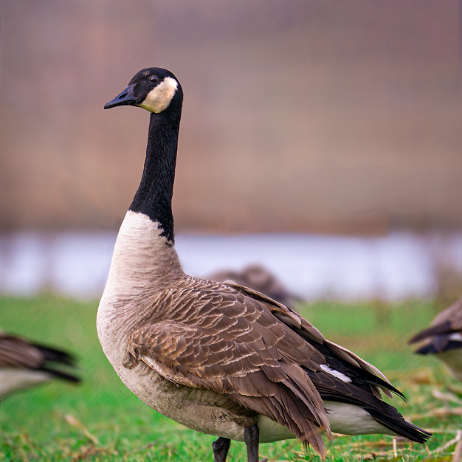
(456, 336)
(335, 373)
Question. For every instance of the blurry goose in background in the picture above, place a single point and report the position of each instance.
(24, 364)
(221, 358)
(444, 339)
(260, 279)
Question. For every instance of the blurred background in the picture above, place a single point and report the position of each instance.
(321, 139)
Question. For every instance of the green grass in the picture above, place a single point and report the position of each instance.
(100, 420)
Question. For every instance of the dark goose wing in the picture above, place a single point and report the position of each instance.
(19, 353)
(267, 358)
(444, 333)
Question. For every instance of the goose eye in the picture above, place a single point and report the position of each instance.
(153, 78)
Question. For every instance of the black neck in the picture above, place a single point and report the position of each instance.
(154, 195)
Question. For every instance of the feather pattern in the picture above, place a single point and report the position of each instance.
(23, 363)
(448, 322)
(235, 341)
(444, 338)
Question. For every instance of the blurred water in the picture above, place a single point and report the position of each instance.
(393, 267)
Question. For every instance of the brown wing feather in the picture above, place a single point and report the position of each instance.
(292, 318)
(234, 345)
(17, 352)
(446, 322)
(453, 314)
(236, 341)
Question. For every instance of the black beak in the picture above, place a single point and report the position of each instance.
(126, 98)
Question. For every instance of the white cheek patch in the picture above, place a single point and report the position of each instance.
(335, 373)
(160, 97)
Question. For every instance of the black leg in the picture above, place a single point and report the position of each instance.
(251, 437)
(220, 449)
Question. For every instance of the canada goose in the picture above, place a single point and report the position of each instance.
(444, 338)
(24, 364)
(260, 279)
(221, 358)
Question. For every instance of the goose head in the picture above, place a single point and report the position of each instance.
(154, 89)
